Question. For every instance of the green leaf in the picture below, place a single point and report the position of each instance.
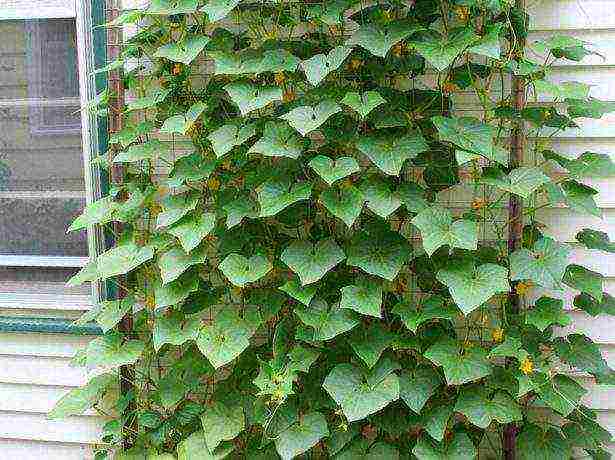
(512, 347)
(434, 307)
(226, 138)
(240, 270)
(592, 307)
(489, 44)
(435, 421)
(253, 62)
(481, 409)
(345, 203)
(361, 393)
(80, 399)
(547, 312)
(564, 90)
(364, 103)
(275, 196)
(217, 10)
(190, 168)
(320, 65)
(545, 264)
(301, 436)
(306, 119)
(579, 197)
(413, 196)
(333, 170)
(312, 261)
(594, 239)
(380, 199)
(88, 273)
(175, 261)
(379, 40)
(330, 13)
(326, 323)
(111, 312)
(522, 181)
(195, 448)
(225, 338)
(238, 210)
(221, 423)
(169, 7)
(580, 352)
(441, 52)
(111, 352)
(193, 229)
(175, 292)
(98, 212)
(279, 140)
(174, 329)
(534, 443)
(417, 385)
(185, 51)
(561, 394)
(303, 294)
(131, 133)
(369, 343)
(458, 448)
(472, 286)
(584, 280)
(250, 97)
(174, 207)
(180, 124)
(389, 155)
(381, 255)
(460, 366)
(438, 229)
(155, 97)
(363, 449)
(122, 259)
(149, 150)
(364, 297)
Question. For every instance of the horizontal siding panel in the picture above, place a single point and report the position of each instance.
(571, 14)
(43, 345)
(31, 398)
(23, 9)
(38, 370)
(37, 427)
(32, 450)
(600, 41)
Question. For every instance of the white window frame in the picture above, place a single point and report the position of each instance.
(80, 10)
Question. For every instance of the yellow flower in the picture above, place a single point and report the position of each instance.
(398, 49)
(279, 78)
(527, 366)
(213, 184)
(449, 87)
(463, 13)
(177, 69)
(497, 335)
(289, 96)
(523, 287)
(479, 203)
(355, 64)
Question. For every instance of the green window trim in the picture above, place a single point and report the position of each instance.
(47, 326)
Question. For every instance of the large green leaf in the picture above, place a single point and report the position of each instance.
(122, 259)
(303, 294)
(390, 154)
(180, 124)
(112, 351)
(435, 420)
(239, 209)
(382, 255)
(253, 62)
(279, 140)
(547, 312)
(241, 270)
(595, 239)
(460, 365)
(195, 448)
(325, 323)
(175, 261)
(442, 51)
(221, 423)
(561, 393)
(381, 200)
(174, 207)
(80, 399)
(364, 296)
(417, 385)
(250, 97)
(217, 10)
(302, 435)
(225, 338)
(312, 261)
(591, 108)
(438, 229)
(481, 409)
(331, 12)
(592, 307)
(153, 98)
(98, 212)
(148, 150)
(109, 313)
(545, 264)
(584, 280)
(522, 181)
(275, 196)
(370, 342)
(379, 40)
(361, 393)
(471, 286)
(489, 44)
(364, 103)
(582, 353)
(333, 170)
(185, 51)
(345, 203)
(413, 316)
(363, 449)
(319, 66)
(174, 329)
(460, 447)
(227, 137)
(535, 443)
(563, 90)
(169, 7)
(190, 168)
(588, 164)
(192, 229)
(306, 119)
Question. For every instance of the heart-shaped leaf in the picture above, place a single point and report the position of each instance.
(460, 447)
(381, 200)
(185, 51)
(489, 44)
(221, 422)
(149, 150)
(80, 399)
(227, 137)
(380, 255)
(522, 181)
(122, 259)
(241, 270)
(319, 66)
(442, 51)
(416, 386)
(547, 444)
(238, 210)
(217, 10)
(330, 13)
(438, 229)
(545, 264)
(365, 297)
(584, 280)
(175, 292)
(369, 343)
(308, 118)
(481, 409)
(460, 365)
(155, 97)
(391, 154)
(434, 307)
(301, 436)
(303, 294)
(190, 168)
(312, 261)
(112, 351)
(253, 62)
(180, 124)
(170, 7)
(279, 140)
(345, 203)
(175, 261)
(472, 286)
(324, 323)
(595, 239)
(174, 329)
(194, 446)
(275, 196)
(191, 230)
(364, 103)
(174, 207)
(379, 40)
(547, 312)
(250, 97)
(333, 170)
